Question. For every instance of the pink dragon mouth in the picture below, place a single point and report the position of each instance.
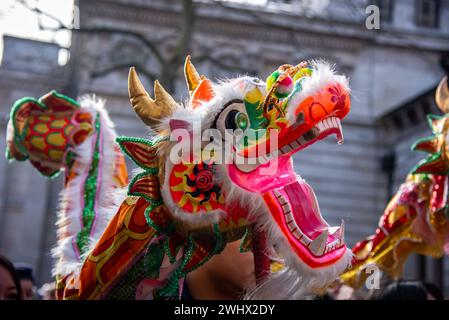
(292, 202)
(295, 209)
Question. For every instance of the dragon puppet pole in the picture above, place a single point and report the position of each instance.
(261, 259)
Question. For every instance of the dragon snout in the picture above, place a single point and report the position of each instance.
(332, 100)
(314, 117)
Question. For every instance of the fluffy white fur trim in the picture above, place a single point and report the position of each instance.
(109, 197)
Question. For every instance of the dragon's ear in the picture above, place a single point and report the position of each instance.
(204, 92)
(193, 79)
(200, 88)
(150, 111)
(442, 95)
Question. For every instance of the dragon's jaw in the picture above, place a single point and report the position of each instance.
(295, 210)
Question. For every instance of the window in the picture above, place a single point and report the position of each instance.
(427, 13)
(385, 8)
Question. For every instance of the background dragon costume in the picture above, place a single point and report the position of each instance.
(57, 134)
(417, 218)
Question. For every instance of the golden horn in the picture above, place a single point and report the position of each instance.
(193, 79)
(149, 110)
(442, 95)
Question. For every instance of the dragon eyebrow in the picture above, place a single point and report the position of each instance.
(214, 124)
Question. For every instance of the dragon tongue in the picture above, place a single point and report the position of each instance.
(295, 209)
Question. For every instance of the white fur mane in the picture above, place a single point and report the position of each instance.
(109, 197)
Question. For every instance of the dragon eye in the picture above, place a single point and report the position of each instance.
(232, 117)
(231, 120)
(241, 120)
(236, 120)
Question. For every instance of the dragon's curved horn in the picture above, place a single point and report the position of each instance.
(193, 79)
(149, 110)
(442, 95)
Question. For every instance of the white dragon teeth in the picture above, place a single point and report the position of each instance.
(325, 124)
(318, 245)
(297, 233)
(305, 240)
(289, 217)
(341, 233)
(321, 126)
(290, 220)
(335, 122)
(340, 130)
(329, 123)
(332, 230)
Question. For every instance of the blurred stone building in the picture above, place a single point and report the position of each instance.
(393, 72)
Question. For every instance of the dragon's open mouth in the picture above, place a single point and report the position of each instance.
(305, 222)
(295, 209)
(292, 202)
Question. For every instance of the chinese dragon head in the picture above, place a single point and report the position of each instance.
(196, 193)
(416, 219)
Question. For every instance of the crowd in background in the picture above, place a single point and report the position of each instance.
(394, 290)
(17, 283)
